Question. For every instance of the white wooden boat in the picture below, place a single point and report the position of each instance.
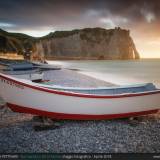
(85, 104)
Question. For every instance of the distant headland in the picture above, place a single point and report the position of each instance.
(87, 43)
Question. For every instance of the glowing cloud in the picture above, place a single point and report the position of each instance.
(107, 21)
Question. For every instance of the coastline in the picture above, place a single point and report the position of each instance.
(117, 72)
(111, 136)
(110, 78)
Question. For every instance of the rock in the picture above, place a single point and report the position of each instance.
(44, 123)
(88, 43)
(15, 42)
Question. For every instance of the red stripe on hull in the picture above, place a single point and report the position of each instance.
(54, 115)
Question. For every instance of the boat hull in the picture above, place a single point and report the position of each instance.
(25, 97)
(54, 115)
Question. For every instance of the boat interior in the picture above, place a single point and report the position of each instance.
(103, 91)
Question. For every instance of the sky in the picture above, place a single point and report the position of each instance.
(39, 17)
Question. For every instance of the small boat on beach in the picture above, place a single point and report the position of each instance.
(20, 69)
(46, 66)
(78, 103)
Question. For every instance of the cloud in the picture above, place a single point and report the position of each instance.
(59, 13)
(7, 25)
(50, 15)
(108, 22)
(148, 13)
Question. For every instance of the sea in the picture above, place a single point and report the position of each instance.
(120, 72)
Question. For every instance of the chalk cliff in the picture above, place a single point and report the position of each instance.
(88, 43)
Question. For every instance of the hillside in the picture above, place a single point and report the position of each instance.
(88, 43)
(15, 42)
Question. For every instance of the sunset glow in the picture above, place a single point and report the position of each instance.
(149, 50)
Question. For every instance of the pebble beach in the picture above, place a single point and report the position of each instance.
(140, 135)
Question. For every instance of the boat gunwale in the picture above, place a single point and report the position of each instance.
(69, 93)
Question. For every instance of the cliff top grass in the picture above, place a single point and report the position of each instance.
(19, 36)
